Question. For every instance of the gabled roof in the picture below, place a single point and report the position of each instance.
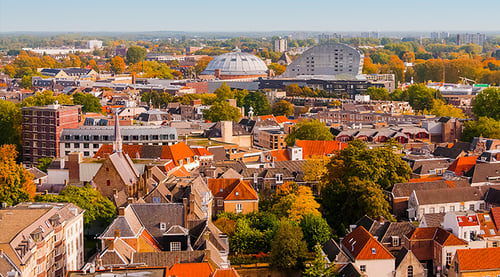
(433, 220)
(232, 189)
(279, 155)
(350, 270)
(313, 148)
(363, 246)
(482, 171)
(168, 258)
(488, 228)
(448, 195)
(125, 168)
(470, 220)
(37, 173)
(191, 270)
(201, 151)
(231, 174)
(179, 171)
(462, 165)
(405, 189)
(437, 234)
(334, 253)
(176, 152)
(479, 259)
(495, 214)
(128, 224)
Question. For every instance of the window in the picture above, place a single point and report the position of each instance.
(156, 199)
(452, 208)
(108, 183)
(85, 145)
(77, 145)
(362, 268)
(494, 244)
(374, 251)
(67, 145)
(175, 246)
(410, 271)
(395, 241)
(279, 178)
(163, 226)
(462, 207)
(448, 258)
(441, 209)
(239, 208)
(431, 210)
(220, 202)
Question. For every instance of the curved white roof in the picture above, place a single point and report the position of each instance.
(237, 63)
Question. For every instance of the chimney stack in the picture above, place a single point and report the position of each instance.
(121, 211)
(117, 233)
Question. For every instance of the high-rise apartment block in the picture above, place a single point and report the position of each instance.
(42, 127)
(463, 39)
(280, 45)
(41, 239)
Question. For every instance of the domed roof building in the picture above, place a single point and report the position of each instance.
(236, 65)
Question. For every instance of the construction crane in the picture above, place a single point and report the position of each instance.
(466, 80)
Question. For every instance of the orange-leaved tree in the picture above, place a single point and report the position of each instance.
(16, 183)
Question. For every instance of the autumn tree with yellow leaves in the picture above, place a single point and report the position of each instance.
(16, 183)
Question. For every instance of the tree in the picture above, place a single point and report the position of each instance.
(245, 239)
(378, 93)
(10, 123)
(303, 204)
(136, 54)
(355, 180)
(439, 108)
(397, 66)
(16, 183)
(89, 102)
(117, 65)
(319, 268)
(487, 103)
(93, 65)
(309, 130)
(484, 126)
(293, 90)
(421, 97)
(201, 64)
(288, 249)
(224, 92)
(314, 169)
(46, 98)
(221, 111)
(277, 68)
(158, 100)
(258, 101)
(98, 209)
(315, 229)
(43, 163)
(283, 107)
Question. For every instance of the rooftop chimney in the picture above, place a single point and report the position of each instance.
(121, 211)
(117, 233)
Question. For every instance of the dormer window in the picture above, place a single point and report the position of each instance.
(237, 193)
(374, 251)
(279, 178)
(163, 226)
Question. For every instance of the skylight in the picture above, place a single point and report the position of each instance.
(374, 251)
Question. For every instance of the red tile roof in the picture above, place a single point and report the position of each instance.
(495, 214)
(281, 119)
(191, 270)
(266, 117)
(419, 180)
(487, 226)
(180, 171)
(232, 189)
(479, 259)
(440, 235)
(426, 233)
(177, 152)
(312, 148)
(462, 165)
(201, 151)
(280, 155)
(363, 246)
(470, 220)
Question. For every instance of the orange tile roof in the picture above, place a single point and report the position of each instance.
(495, 214)
(232, 189)
(423, 233)
(462, 165)
(470, 220)
(312, 148)
(487, 225)
(419, 180)
(191, 270)
(266, 117)
(180, 171)
(363, 246)
(440, 235)
(280, 155)
(176, 152)
(201, 151)
(281, 119)
(479, 259)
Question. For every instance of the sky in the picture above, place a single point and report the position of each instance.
(249, 15)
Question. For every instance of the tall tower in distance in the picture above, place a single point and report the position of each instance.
(280, 45)
(117, 143)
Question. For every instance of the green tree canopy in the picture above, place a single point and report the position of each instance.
(221, 111)
(378, 93)
(258, 101)
(319, 268)
(46, 98)
(158, 100)
(487, 103)
(484, 126)
(98, 209)
(283, 107)
(136, 54)
(315, 229)
(16, 183)
(10, 123)
(440, 108)
(89, 102)
(293, 90)
(421, 97)
(43, 163)
(224, 92)
(354, 183)
(309, 130)
(288, 249)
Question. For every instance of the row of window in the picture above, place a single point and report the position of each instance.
(124, 138)
(472, 207)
